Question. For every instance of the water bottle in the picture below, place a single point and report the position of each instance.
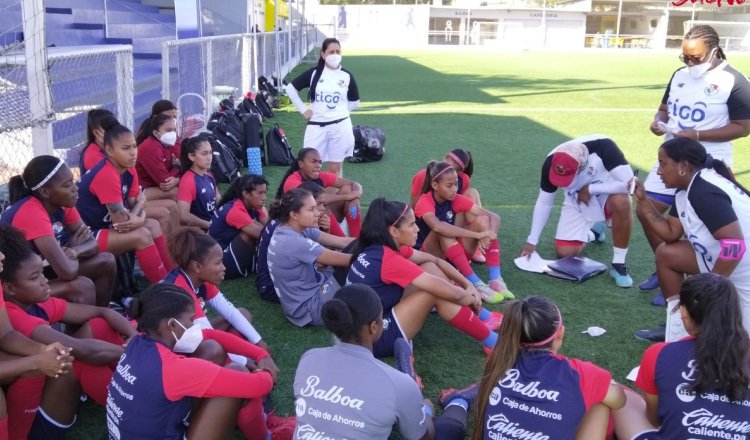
(254, 165)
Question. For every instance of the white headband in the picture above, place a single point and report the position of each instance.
(49, 176)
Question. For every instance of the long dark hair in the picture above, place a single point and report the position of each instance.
(694, 153)
(96, 119)
(708, 35)
(291, 201)
(351, 308)
(712, 303)
(380, 216)
(38, 169)
(190, 146)
(244, 183)
(528, 324)
(301, 156)
(464, 156)
(16, 249)
(153, 123)
(162, 106)
(158, 302)
(319, 68)
(435, 169)
(189, 244)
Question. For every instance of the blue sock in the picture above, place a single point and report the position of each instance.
(460, 402)
(484, 314)
(491, 340)
(494, 272)
(473, 278)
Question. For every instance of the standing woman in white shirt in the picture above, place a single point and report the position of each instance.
(332, 94)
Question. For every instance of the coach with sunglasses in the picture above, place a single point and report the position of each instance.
(706, 100)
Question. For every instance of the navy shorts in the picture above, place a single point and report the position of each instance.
(391, 331)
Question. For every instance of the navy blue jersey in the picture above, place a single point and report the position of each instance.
(232, 217)
(29, 216)
(445, 212)
(200, 192)
(100, 186)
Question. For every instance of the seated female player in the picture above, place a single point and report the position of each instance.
(528, 386)
(437, 211)
(241, 217)
(410, 283)
(200, 269)
(299, 258)
(156, 389)
(43, 207)
(697, 387)
(198, 193)
(110, 203)
(97, 344)
(341, 197)
(99, 120)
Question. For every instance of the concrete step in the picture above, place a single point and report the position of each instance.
(150, 45)
(76, 37)
(139, 30)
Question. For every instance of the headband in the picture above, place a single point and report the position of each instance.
(406, 208)
(441, 172)
(49, 176)
(548, 340)
(456, 159)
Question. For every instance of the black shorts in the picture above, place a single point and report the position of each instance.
(383, 347)
(239, 258)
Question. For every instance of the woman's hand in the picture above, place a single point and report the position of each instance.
(268, 364)
(528, 249)
(135, 222)
(655, 129)
(307, 114)
(55, 360)
(71, 253)
(79, 236)
(640, 191)
(584, 196)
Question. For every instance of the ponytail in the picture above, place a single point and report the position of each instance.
(36, 175)
(189, 244)
(301, 156)
(351, 308)
(160, 301)
(464, 157)
(434, 172)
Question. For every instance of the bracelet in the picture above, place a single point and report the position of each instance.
(427, 410)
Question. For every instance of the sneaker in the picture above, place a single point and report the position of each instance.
(487, 294)
(621, 276)
(599, 235)
(404, 356)
(281, 428)
(651, 283)
(468, 394)
(478, 256)
(499, 286)
(494, 321)
(659, 300)
(656, 334)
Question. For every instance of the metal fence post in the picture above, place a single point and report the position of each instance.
(37, 76)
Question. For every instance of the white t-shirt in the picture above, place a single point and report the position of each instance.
(334, 90)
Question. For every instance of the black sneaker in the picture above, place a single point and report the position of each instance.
(405, 360)
(656, 334)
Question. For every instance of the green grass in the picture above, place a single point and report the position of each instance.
(509, 109)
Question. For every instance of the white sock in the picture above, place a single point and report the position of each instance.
(590, 236)
(618, 255)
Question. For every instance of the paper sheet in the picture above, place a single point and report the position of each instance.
(534, 263)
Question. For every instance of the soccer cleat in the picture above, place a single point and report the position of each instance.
(598, 230)
(468, 394)
(499, 286)
(281, 428)
(621, 276)
(656, 334)
(478, 256)
(488, 295)
(651, 283)
(404, 356)
(659, 300)
(494, 321)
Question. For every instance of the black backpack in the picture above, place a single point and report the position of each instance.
(278, 150)
(225, 166)
(369, 144)
(264, 85)
(261, 101)
(125, 285)
(253, 128)
(247, 106)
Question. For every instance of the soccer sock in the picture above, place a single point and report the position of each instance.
(469, 323)
(354, 223)
(457, 256)
(250, 420)
(23, 398)
(161, 246)
(590, 236)
(151, 263)
(490, 340)
(618, 255)
(4, 428)
(484, 314)
(94, 380)
(335, 227)
(493, 260)
(462, 403)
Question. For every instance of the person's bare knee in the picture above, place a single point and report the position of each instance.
(142, 238)
(82, 291)
(212, 351)
(568, 251)
(153, 227)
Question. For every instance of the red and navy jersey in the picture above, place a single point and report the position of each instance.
(203, 293)
(232, 217)
(417, 182)
(445, 212)
(29, 216)
(667, 370)
(48, 312)
(295, 179)
(92, 155)
(543, 396)
(100, 186)
(388, 272)
(200, 192)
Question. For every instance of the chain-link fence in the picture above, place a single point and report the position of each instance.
(46, 92)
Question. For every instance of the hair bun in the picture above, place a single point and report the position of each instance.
(135, 308)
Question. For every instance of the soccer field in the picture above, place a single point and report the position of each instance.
(510, 110)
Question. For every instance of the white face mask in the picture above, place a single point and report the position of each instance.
(333, 60)
(190, 340)
(700, 69)
(169, 138)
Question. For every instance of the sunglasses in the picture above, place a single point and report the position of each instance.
(687, 59)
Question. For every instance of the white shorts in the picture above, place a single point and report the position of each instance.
(576, 220)
(334, 142)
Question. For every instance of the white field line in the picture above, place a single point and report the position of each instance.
(495, 109)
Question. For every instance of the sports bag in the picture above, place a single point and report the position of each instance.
(369, 144)
(264, 85)
(225, 166)
(278, 150)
